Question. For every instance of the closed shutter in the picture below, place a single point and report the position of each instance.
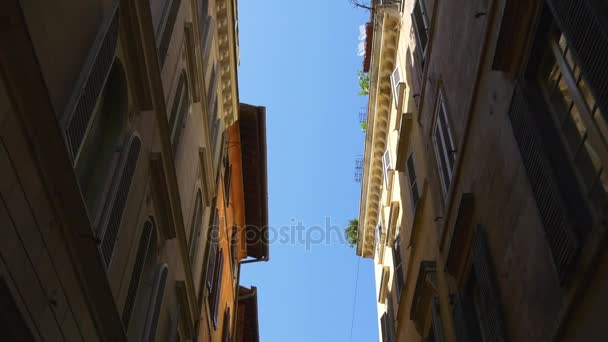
(119, 202)
(195, 230)
(157, 302)
(163, 45)
(213, 241)
(414, 191)
(587, 34)
(226, 326)
(399, 276)
(136, 273)
(218, 287)
(563, 243)
(437, 327)
(85, 98)
(462, 319)
(490, 318)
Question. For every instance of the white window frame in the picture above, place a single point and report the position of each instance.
(387, 165)
(447, 144)
(396, 81)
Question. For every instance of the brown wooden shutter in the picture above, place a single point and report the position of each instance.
(490, 318)
(563, 243)
(587, 34)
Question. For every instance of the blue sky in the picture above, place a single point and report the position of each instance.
(299, 59)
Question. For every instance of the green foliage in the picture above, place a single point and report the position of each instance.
(363, 82)
(351, 232)
(363, 126)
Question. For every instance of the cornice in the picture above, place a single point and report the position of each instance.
(377, 130)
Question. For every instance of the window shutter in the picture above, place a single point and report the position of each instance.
(212, 256)
(563, 243)
(226, 326)
(379, 241)
(136, 273)
(157, 301)
(399, 276)
(461, 319)
(119, 201)
(588, 36)
(217, 287)
(85, 98)
(386, 164)
(163, 45)
(414, 191)
(195, 230)
(395, 81)
(437, 327)
(490, 319)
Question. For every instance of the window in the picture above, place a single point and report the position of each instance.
(234, 252)
(577, 117)
(195, 229)
(179, 110)
(383, 291)
(420, 22)
(561, 134)
(379, 241)
(117, 200)
(399, 276)
(214, 294)
(226, 326)
(146, 288)
(167, 31)
(411, 174)
(477, 314)
(137, 272)
(156, 302)
(443, 143)
(388, 327)
(436, 333)
(213, 242)
(227, 179)
(396, 81)
(387, 166)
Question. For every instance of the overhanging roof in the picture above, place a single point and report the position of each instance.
(252, 124)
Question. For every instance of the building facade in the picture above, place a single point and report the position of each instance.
(112, 150)
(238, 233)
(484, 195)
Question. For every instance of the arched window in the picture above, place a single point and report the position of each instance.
(195, 230)
(156, 302)
(142, 284)
(179, 110)
(100, 152)
(79, 114)
(117, 199)
(143, 251)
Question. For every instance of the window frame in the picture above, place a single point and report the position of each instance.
(592, 135)
(413, 183)
(395, 85)
(446, 158)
